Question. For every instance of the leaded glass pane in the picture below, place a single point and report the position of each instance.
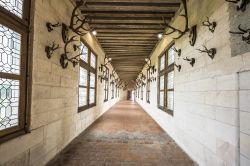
(171, 56)
(13, 6)
(171, 80)
(170, 101)
(93, 60)
(9, 102)
(82, 97)
(84, 52)
(162, 63)
(161, 99)
(162, 83)
(83, 76)
(91, 96)
(10, 43)
(92, 80)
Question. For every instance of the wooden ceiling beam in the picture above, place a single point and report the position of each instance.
(114, 35)
(139, 1)
(127, 44)
(130, 7)
(115, 26)
(128, 38)
(104, 3)
(127, 30)
(125, 21)
(167, 15)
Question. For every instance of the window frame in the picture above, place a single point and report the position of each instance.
(164, 72)
(87, 66)
(106, 84)
(142, 92)
(21, 26)
(148, 86)
(112, 90)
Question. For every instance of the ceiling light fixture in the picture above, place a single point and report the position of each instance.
(159, 35)
(94, 33)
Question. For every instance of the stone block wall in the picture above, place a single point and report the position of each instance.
(55, 120)
(206, 116)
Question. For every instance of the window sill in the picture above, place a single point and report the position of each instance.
(168, 111)
(13, 135)
(84, 108)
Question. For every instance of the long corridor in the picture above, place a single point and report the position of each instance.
(123, 136)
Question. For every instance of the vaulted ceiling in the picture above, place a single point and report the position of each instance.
(127, 30)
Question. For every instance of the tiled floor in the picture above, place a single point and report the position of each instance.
(124, 136)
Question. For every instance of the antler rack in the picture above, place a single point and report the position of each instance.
(78, 22)
(173, 29)
(244, 32)
(211, 52)
(64, 57)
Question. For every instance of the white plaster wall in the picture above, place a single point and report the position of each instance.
(206, 101)
(55, 120)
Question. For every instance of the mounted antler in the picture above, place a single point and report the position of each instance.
(50, 50)
(240, 4)
(77, 23)
(192, 61)
(211, 52)
(51, 26)
(178, 51)
(112, 74)
(178, 67)
(180, 32)
(211, 25)
(64, 57)
(245, 34)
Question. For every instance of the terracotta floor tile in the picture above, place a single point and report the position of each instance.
(123, 136)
